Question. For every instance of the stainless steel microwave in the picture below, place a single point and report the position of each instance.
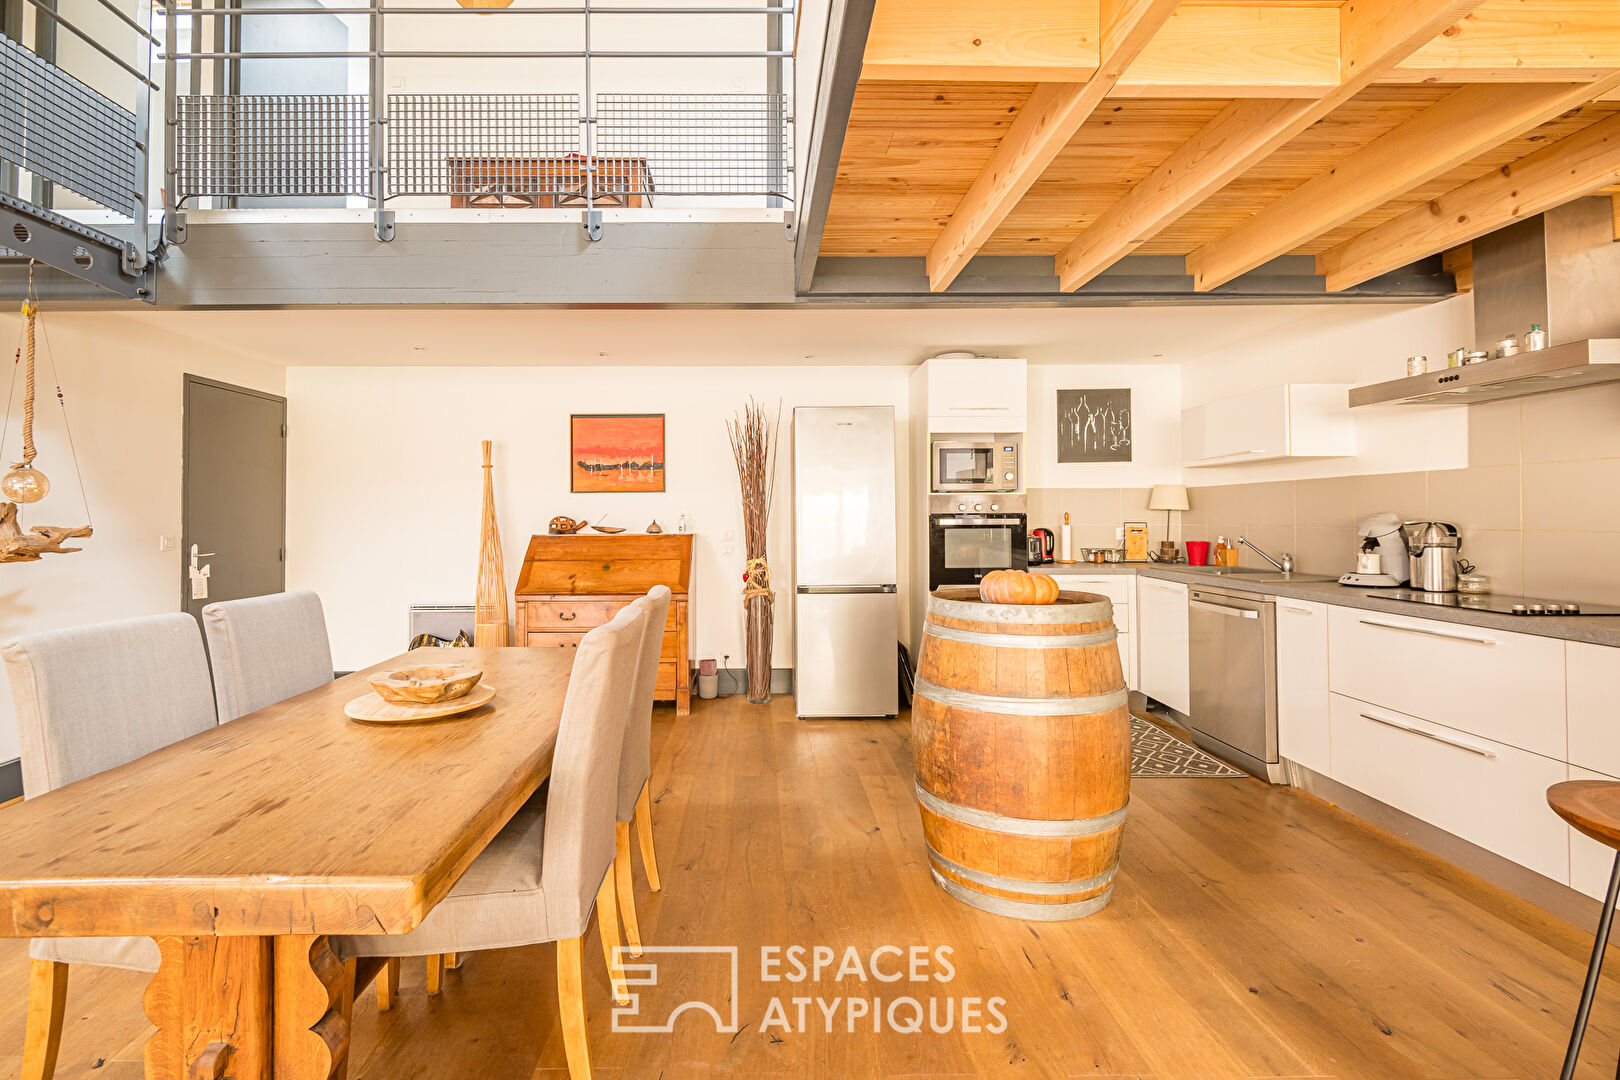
(975, 464)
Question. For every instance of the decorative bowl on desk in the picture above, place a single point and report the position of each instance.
(426, 685)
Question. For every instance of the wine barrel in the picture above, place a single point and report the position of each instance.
(1022, 739)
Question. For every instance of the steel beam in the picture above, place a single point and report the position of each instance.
(848, 23)
(116, 265)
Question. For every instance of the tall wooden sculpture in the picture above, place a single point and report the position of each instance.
(490, 627)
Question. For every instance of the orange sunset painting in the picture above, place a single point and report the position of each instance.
(618, 453)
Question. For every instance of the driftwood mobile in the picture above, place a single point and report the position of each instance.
(24, 483)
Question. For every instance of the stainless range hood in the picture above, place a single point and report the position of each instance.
(1560, 269)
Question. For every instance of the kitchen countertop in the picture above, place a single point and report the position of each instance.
(1596, 629)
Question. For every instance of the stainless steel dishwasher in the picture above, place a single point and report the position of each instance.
(1232, 646)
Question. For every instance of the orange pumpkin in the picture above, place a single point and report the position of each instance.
(1017, 587)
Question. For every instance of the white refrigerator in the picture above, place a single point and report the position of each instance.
(846, 611)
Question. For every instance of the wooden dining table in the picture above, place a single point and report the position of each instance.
(242, 848)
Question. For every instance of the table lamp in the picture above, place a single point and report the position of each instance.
(1168, 497)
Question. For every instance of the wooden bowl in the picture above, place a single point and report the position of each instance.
(609, 529)
(426, 685)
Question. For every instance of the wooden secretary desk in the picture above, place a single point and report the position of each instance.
(570, 584)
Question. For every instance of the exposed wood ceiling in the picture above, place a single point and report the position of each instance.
(1230, 131)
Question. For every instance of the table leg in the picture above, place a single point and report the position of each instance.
(211, 1003)
(313, 990)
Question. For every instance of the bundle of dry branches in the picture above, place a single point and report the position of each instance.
(753, 445)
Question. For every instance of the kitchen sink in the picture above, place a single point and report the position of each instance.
(1259, 574)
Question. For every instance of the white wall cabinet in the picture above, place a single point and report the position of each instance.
(978, 395)
(1161, 642)
(1121, 590)
(1486, 792)
(1507, 687)
(1303, 729)
(1292, 420)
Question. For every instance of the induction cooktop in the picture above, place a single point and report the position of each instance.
(1503, 605)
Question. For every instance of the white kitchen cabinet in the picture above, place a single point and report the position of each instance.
(1121, 590)
(1504, 686)
(1589, 861)
(1292, 420)
(1486, 792)
(1161, 642)
(978, 395)
(1303, 728)
(1594, 706)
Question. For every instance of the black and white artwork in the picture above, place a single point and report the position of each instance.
(1094, 425)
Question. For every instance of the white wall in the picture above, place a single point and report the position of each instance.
(123, 384)
(385, 489)
(1155, 425)
(1355, 345)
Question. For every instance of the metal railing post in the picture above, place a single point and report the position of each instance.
(593, 216)
(135, 253)
(174, 222)
(774, 91)
(384, 221)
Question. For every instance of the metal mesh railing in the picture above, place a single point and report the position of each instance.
(487, 150)
(272, 145)
(58, 128)
(698, 144)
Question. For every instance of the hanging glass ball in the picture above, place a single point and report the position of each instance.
(24, 485)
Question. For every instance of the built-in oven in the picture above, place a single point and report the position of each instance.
(963, 547)
(987, 464)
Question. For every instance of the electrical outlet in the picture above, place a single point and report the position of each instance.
(1119, 532)
(165, 543)
(728, 549)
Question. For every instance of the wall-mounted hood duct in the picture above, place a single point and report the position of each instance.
(1560, 269)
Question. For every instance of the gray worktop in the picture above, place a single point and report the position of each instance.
(1597, 629)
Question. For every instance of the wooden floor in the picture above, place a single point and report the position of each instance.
(1254, 932)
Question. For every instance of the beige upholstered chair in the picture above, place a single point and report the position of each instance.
(89, 699)
(635, 770)
(541, 876)
(266, 649)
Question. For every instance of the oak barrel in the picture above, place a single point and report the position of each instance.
(1022, 738)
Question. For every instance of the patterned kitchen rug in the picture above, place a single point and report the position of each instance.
(1155, 752)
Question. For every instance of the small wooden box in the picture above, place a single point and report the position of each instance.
(570, 584)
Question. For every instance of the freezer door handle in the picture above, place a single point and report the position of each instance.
(810, 590)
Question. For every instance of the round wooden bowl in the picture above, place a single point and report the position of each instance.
(426, 685)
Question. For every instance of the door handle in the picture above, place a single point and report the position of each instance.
(1220, 609)
(1470, 747)
(1428, 633)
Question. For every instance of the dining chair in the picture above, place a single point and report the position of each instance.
(544, 873)
(635, 771)
(88, 699)
(266, 649)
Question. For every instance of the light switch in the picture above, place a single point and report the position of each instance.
(165, 543)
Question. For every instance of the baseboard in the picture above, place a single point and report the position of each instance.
(1554, 897)
(11, 780)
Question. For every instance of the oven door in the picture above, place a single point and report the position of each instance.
(962, 548)
(964, 466)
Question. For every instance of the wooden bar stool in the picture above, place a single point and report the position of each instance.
(1591, 807)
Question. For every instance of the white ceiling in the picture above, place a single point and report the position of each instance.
(450, 336)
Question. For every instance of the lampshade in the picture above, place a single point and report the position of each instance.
(1169, 497)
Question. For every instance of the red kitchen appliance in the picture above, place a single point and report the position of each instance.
(1046, 552)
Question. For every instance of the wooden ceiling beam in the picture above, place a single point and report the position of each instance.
(1578, 165)
(1231, 50)
(1375, 35)
(1455, 130)
(1044, 126)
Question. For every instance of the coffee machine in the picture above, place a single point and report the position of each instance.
(1383, 559)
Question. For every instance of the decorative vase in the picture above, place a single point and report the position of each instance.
(753, 442)
(759, 649)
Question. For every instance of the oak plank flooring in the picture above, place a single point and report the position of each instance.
(1254, 932)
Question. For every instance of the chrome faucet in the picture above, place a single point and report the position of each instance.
(1284, 567)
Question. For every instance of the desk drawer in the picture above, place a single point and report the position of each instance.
(578, 615)
(555, 640)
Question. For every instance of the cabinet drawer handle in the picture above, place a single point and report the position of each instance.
(1470, 747)
(1298, 610)
(566, 616)
(1163, 586)
(1222, 609)
(1429, 633)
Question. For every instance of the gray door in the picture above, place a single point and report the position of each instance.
(234, 494)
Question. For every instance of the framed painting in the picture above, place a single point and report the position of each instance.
(616, 452)
(1094, 425)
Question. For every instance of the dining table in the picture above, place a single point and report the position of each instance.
(241, 849)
